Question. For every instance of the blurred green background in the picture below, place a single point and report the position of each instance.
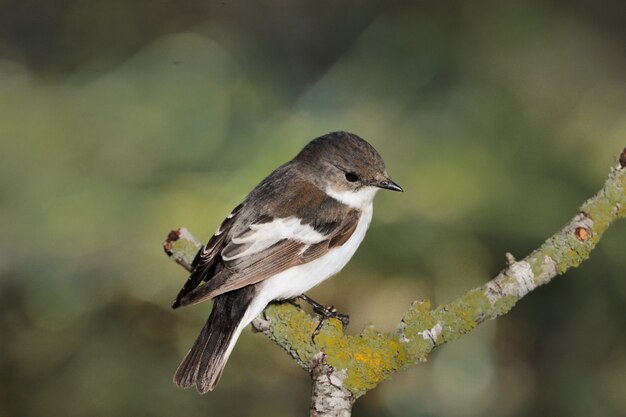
(122, 120)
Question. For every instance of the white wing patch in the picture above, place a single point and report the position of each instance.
(299, 279)
(264, 235)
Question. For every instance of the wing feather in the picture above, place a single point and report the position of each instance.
(205, 264)
(283, 254)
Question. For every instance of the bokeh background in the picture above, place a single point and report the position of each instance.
(122, 120)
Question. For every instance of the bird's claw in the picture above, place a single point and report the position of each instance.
(329, 313)
(326, 313)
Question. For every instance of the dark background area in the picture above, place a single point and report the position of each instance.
(122, 120)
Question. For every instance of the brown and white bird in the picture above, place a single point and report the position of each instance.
(297, 228)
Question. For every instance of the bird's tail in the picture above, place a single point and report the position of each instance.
(205, 361)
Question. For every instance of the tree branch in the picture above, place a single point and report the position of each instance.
(345, 367)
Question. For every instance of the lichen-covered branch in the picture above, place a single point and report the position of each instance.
(345, 367)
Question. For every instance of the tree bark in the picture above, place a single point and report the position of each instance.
(329, 398)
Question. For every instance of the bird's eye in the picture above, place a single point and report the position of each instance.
(351, 176)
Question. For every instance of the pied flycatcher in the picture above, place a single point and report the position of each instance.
(298, 227)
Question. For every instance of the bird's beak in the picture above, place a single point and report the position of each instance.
(387, 184)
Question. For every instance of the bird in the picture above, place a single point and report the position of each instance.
(298, 227)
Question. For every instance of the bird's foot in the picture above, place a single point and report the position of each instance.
(326, 312)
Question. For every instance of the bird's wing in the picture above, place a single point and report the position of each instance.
(207, 260)
(265, 249)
